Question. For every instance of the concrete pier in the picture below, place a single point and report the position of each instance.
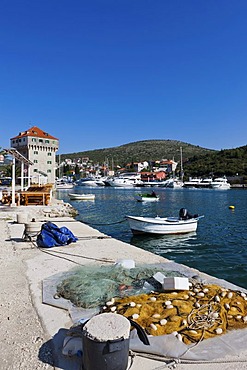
(33, 332)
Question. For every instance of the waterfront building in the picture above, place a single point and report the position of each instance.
(40, 148)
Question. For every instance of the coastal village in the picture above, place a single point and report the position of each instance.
(35, 162)
(41, 165)
(187, 319)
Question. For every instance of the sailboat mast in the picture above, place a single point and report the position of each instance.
(181, 163)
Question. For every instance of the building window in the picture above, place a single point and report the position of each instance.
(35, 170)
(35, 152)
(40, 140)
(49, 162)
(49, 154)
(19, 140)
(48, 171)
(47, 141)
(33, 139)
(35, 161)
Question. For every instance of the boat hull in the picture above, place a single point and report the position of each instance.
(220, 186)
(141, 198)
(82, 196)
(220, 183)
(127, 180)
(124, 183)
(88, 183)
(64, 186)
(161, 226)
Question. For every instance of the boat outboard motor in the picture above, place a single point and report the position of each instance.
(183, 214)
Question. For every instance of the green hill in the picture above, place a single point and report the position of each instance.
(147, 150)
(229, 162)
(197, 161)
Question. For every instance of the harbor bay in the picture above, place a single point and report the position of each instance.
(218, 247)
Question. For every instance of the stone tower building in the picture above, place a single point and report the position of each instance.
(40, 148)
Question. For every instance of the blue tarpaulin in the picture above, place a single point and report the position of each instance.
(51, 236)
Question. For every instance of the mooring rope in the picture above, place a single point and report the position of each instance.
(59, 255)
(112, 223)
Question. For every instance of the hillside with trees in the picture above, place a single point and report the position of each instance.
(197, 161)
(147, 150)
(229, 162)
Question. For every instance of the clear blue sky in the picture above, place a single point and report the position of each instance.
(102, 73)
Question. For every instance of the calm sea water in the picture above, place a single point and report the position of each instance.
(218, 248)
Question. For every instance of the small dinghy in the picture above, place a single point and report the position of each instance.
(148, 197)
(82, 196)
(185, 223)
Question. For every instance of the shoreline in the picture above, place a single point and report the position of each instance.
(34, 331)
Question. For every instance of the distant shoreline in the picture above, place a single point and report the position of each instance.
(239, 186)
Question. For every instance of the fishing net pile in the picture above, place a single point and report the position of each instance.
(92, 286)
(202, 312)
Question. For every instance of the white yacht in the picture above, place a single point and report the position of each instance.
(125, 180)
(192, 183)
(96, 180)
(220, 183)
(205, 183)
(63, 183)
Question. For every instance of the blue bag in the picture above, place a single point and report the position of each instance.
(51, 236)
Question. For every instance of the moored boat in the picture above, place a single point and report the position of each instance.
(125, 180)
(220, 183)
(205, 183)
(75, 196)
(193, 182)
(91, 181)
(164, 225)
(64, 186)
(154, 183)
(174, 183)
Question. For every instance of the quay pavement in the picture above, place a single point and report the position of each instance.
(32, 333)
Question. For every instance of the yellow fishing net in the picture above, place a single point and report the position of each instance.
(202, 312)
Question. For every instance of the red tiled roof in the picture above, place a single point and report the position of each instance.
(35, 131)
(168, 161)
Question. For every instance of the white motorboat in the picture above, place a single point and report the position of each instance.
(91, 181)
(149, 197)
(155, 183)
(174, 183)
(220, 183)
(205, 183)
(75, 196)
(163, 225)
(126, 180)
(100, 181)
(192, 183)
(64, 186)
